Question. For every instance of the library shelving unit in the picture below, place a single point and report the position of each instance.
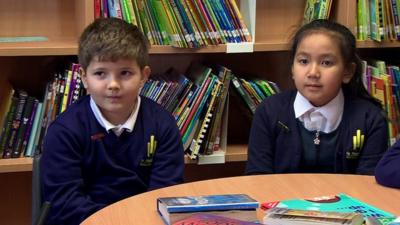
(57, 25)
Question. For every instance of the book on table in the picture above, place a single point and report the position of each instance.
(236, 206)
(341, 203)
(208, 219)
(277, 216)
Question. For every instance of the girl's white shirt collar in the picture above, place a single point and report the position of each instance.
(325, 118)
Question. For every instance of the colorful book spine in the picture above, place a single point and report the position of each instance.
(34, 132)
(28, 132)
(6, 129)
(8, 150)
(19, 139)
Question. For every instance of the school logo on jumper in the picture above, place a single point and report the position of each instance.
(283, 127)
(358, 143)
(151, 149)
(97, 136)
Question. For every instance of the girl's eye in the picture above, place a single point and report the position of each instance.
(326, 63)
(303, 61)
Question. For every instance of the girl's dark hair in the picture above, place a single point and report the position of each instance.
(347, 45)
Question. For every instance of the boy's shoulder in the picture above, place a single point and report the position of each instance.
(76, 113)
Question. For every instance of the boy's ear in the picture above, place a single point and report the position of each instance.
(349, 73)
(83, 76)
(146, 71)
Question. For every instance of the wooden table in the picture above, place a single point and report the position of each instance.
(141, 209)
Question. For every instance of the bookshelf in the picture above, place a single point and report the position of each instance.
(29, 65)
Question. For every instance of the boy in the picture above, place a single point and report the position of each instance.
(111, 144)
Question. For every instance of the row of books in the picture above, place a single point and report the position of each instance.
(316, 9)
(383, 83)
(180, 23)
(25, 119)
(198, 102)
(378, 20)
(241, 209)
(253, 92)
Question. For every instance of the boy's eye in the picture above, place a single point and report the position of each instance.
(99, 73)
(126, 73)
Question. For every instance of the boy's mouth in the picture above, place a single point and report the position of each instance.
(114, 97)
(313, 86)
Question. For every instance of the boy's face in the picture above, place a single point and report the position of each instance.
(318, 69)
(114, 86)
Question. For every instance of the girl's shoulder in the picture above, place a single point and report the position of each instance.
(359, 103)
(282, 99)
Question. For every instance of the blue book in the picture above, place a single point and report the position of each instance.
(173, 209)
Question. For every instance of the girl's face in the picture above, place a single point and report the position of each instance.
(318, 69)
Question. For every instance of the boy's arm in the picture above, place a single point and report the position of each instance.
(387, 171)
(62, 178)
(260, 147)
(168, 162)
(376, 143)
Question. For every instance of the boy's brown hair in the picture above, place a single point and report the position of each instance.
(111, 39)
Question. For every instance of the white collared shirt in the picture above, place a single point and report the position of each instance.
(325, 118)
(117, 129)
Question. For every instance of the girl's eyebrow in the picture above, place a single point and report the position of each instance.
(302, 54)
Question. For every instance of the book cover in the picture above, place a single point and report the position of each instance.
(287, 216)
(208, 219)
(337, 203)
(206, 203)
(238, 206)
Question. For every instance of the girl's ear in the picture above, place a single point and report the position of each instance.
(349, 73)
(83, 76)
(291, 70)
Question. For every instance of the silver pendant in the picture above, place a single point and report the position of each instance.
(316, 139)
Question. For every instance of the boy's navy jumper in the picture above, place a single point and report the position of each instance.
(85, 168)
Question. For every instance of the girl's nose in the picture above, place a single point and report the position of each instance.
(314, 71)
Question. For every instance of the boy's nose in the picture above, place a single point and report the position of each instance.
(113, 84)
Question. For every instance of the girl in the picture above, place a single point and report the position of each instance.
(330, 124)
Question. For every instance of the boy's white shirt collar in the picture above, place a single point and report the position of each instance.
(117, 129)
(325, 118)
